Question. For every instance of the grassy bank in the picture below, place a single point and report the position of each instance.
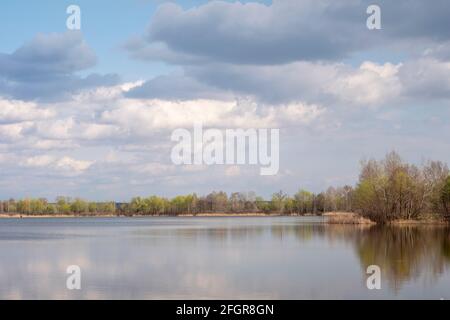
(354, 218)
(346, 218)
(212, 214)
(29, 216)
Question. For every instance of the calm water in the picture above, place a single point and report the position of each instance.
(230, 258)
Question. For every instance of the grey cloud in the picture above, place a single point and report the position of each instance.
(48, 53)
(286, 31)
(426, 79)
(254, 33)
(440, 52)
(329, 84)
(45, 68)
(177, 87)
(416, 19)
(56, 87)
(292, 82)
(289, 50)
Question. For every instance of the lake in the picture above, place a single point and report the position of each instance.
(220, 258)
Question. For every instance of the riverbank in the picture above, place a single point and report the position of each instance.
(211, 214)
(401, 222)
(349, 218)
(354, 218)
(250, 214)
(346, 218)
(46, 216)
(243, 214)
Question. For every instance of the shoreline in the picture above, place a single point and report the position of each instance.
(343, 218)
(47, 216)
(351, 218)
(248, 214)
(424, 222)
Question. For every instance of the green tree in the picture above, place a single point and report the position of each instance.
(278, 201)
(50, 209)
(445, 196)
(92, 207)
(38, 206)
(262, 205)
(63, 205)
(137, 205)
(79, 206)
(106, 207)
(303, 201)
(154, 205)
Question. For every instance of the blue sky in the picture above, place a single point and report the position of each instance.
(102, 25)
(90, 113)
(106, 26)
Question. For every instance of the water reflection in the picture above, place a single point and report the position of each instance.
(405, 252)
(157, 258)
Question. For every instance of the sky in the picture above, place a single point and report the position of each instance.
(90, 112)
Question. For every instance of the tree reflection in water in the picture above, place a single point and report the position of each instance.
(405, 252)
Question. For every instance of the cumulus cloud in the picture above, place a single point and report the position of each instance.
(38, 161)
(15, 131)
(290, 51)
(329, 84)
(251, 33)
(65, 164)
(426, 78)
(55, 53)
(64, 129)
(370, 85)
(18, 111)
(178, 87)
(285, 31)
(294, 65)
(46, 67)
(144, 117)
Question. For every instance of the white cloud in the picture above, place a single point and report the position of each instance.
(103, 94)
(94, 131)
(371, 84)
(39, 161)
(57, 129)
(426, 78)
(64, 164)
(49, 144)
(69, 164)
(142, 117)
(14, 132)
(232, 171)
(154, 169)
(18, 111)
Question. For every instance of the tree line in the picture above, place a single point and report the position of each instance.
(387, 189)
(303, 202)
(63, 205)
